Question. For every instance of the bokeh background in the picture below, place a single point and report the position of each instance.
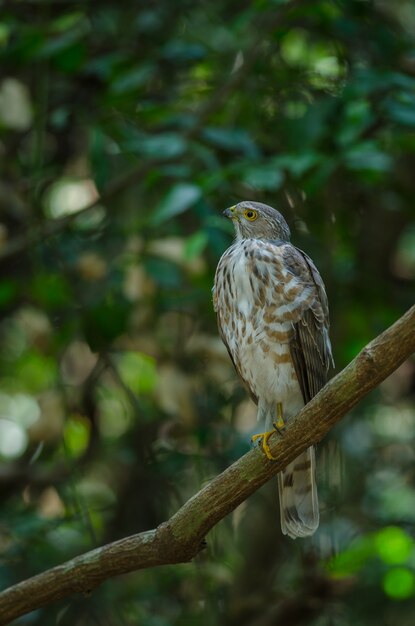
(125, 130)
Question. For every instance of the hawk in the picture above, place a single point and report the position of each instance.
(273, 317)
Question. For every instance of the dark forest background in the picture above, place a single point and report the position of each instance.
(126, 128)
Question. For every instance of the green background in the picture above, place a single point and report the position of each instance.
(117, 399)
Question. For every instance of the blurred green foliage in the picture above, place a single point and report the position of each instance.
(125, 130)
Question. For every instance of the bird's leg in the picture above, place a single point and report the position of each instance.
(279, 424)
(265, 437)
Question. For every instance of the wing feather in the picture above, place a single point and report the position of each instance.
(310, 344)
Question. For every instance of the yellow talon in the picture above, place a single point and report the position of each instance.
(264, 437)
(264, 443)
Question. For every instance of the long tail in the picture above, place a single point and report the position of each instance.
(298, 496)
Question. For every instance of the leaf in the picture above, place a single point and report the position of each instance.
(68, 20)
(402, 113)
(181, 51)
(353, 559)
(132, 79)
(267, 177)
(8, 291)
(63, 41)
(4, 34)
(71, 59)
(76, 435)
(368, 156)
(195, 245)
(231, 140)
(394, 545)
(164, 273)
(163, 146)
(106, 321)
(178, 200)
(104, 65)
(297, 164)
(399, 583)
(138, 371)
(357, 118)
(51, 290)
(35, 372)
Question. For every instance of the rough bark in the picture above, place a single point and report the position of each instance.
(181, 538)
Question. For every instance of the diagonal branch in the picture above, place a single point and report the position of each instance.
(181, 538)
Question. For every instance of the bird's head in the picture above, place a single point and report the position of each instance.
(254, 220)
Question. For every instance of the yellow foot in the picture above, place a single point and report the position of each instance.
(265, 437)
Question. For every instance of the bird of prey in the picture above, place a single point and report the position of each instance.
(273, 317)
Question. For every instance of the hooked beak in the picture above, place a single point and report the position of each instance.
(230, 213)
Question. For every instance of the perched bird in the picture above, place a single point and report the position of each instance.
(273, 317)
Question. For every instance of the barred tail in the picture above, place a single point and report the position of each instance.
(298, 496)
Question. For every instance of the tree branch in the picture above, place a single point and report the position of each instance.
(181, 538)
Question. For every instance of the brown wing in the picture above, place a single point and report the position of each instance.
(310, 344)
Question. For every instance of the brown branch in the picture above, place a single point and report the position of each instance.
(179, 539)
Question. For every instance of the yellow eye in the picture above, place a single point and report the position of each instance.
(250, 215)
